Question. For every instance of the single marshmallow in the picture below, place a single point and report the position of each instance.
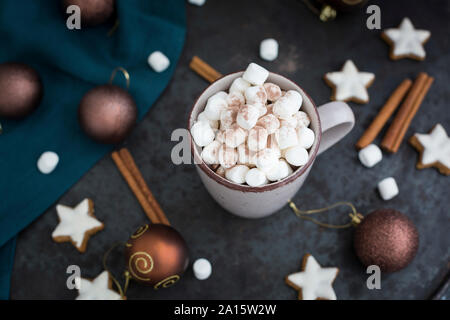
(268, 49)
(262, 109)
(202, 267)
(296, 156)
(221, 171)
(245, 156)
(291, 121)
(255, 94)
(158, 61)
(228, 117)
(255, 178)
(47, 162)
(388, 188)
(237, 173)
(210, 153)
(295, 97)
(303, 119)
(306, 137)
(266, 159)
(213, 123)
(227, 156)
(273, 91)
(370, 155)
(214, 106)
(239, 85)
(270, 122)
(255, 74)
(202, 133)
(257, 138)
(235, 99)
(234, 136)
(247, 116)
(284, 108)
(286, 137)
(280, 171)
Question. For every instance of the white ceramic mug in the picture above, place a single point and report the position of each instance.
(330, 123)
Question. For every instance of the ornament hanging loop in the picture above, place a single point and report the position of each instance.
(125, 74)
(355, 217)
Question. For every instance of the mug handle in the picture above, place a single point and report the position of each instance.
(337, 119)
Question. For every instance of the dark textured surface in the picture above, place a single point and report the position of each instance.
(250, 258)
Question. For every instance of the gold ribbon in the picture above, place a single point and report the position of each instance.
(355, 217)
(115, 281)
(125, 74)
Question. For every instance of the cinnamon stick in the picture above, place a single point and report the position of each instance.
(134, 187)
(413, 112)
(132, 167)
(393, 134)
(384, 114)
(204, 70)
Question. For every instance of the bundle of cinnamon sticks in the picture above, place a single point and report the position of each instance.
(414, 94)
(130, 172)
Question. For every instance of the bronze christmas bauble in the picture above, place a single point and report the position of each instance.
(93, 12)
(156, 255)
(21, 90)
(107, 113)
(386, 238)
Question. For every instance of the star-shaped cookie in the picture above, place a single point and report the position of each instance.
(76, 224)
(98, 289)
(313, 282)
(434, 149)
(349, 84)
(405, 41)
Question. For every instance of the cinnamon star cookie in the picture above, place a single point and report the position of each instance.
(76, 224)
(434, 149)
(98, 289)
(313, 282)
(405, 41)
(349, 84)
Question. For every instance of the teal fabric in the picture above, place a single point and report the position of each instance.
(70, 63)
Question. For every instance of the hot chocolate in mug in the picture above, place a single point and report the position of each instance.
(330, 123)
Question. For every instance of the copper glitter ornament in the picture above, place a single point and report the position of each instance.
(386, 238)
(93, 12)
(21, 90)
(156, 255)
(107, 113)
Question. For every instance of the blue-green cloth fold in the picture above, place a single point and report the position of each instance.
(70, 63)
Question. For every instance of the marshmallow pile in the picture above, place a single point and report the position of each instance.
(255, 133)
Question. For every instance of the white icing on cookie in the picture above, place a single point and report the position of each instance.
(349, 83)
(97, 289)
(436, 146)
(75, 222)
(314, 281)
(406, 40)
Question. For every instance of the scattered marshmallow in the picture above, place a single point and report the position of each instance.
(269, 122)
(266, 159)
(370, 155)
(235, 99)
(158, 61)
(202, 267)
(255, 74)
(286, 137)
(227, 156)
(268, 49)
(239, 85)
(213, 123)
(202, 133)
(306, 137)
(210, 153)
(234, 136)
(255, 94)
(280, 171)
(247, 116)
(388, 188)
(256, 178)
(257, 138)
(47, 162)
(237, 173)
(296, 156)
(273, 91)
(303, 119)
